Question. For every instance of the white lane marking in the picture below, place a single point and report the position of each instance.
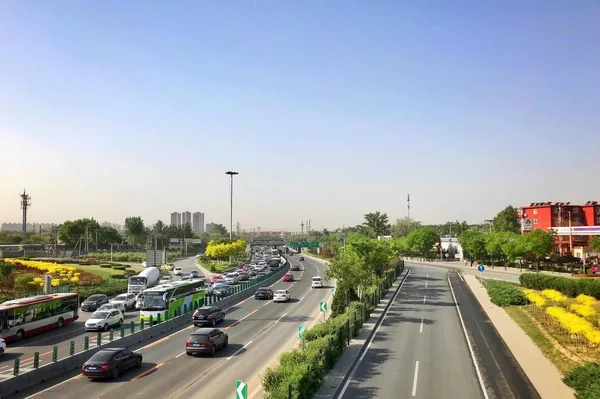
(427, 275)
(282, 316)
(461, 277)
(415, 379)
(345, 387)
(300, 299)
(181, 354)
(239, 350)
(421, 328)
(424, 298)
(477, 370)
(425, 284)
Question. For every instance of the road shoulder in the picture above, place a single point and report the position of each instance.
(544, 376)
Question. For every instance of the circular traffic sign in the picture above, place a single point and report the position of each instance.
(481, 268)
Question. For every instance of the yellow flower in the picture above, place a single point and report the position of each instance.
(585, 300)
(554, 295)
(583, 310)
(535, 298)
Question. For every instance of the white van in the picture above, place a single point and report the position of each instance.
(317, 282)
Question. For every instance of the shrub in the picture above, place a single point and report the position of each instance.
(571, 287)
(25, 283)
(585, 380)
(117, 276)
(111, 288)
(504, 293)
(105, 266)
(119, 267)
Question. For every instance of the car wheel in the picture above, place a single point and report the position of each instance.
(213, 350)
(138, 364)
(19, 335)
(59, 322)
(120, 322)
(115, 373)
(1, 351)
(214, 322)
(226, 342)
(106, 327)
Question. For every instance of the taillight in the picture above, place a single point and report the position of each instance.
(104, 367)
(188, 342)
(209, 316)
(206, 343)
(83, 367)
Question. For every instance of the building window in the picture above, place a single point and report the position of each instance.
(535, 211)
(598, 211)
(535, 221)
(598, 220)
(575, 210)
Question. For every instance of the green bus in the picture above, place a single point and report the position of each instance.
(170, 297)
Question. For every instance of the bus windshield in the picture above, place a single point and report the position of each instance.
(153, 300)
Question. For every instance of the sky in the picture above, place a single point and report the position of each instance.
(327, 109)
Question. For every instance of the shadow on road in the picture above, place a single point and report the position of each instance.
(368, 371)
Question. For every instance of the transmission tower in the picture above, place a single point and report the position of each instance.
(25, 204)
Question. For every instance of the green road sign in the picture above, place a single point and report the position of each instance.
(323, 306)
(301, 331)
(304, 244)
(241, 390)
(333, 291)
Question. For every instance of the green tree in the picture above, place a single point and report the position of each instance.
(494, 243)
(374, 254)
(70, 232)
(514, 248)
(404, 226)
(186, 231)
(595, 244)
(108, 235)
(24, 283)
(349, 270)
(135, 230)
(538, 244)
(6, 269)
(473, 243)
(378, 223)
(422, 242)
(507, 220)
(220, 230)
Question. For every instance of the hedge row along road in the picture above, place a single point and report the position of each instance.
(258, 331)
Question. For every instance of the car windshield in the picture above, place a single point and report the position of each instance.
(280, 292)
(99, 315)
(198, 337)
(316, 278)
(120, 298)
(93, 298)
(262, 289)
(102, 356)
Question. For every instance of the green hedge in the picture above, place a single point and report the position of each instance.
(111, 288)
(118, 267)
(585, 380)
(133, 257)
(568, 286)
(504, 293)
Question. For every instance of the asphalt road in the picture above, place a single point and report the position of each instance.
(258, 331)
(43, 343)
(420, 350)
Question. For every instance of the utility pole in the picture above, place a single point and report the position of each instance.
(25, 204)
(408, 205)
(96, 240)
(238, 228)
(570, 234)
(54, 241)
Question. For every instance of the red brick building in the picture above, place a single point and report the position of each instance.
(574, 225)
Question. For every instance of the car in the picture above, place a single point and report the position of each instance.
(211, 290)
(215, 277)
(288, 277)
(243, 275)
(208, 315)
(295, 268)
(144, 264)
(317, 282)
(282, 296)
(93, 302)
(165, 280)
(232, 278)
(206, 340)
(252, 272)
(112, 306)
(261, 274)
(194, 274)
(2, 346)
(110, 362)
(223, 290)
(128, 300)
(103, 320)
(184, 278)
(301, 258)
(177, 271)
(263, 293)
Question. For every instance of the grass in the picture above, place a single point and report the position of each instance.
(552, 350)
(104, 272)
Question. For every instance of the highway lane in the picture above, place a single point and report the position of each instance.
(261, 326)
(419, 349)
(75, 331)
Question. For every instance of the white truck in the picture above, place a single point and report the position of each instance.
(145, 279)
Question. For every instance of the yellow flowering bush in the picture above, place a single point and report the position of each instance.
(583, 310)
(46, 267)
(535, 298)
(574, 324)
(554, 295)
(585, 300)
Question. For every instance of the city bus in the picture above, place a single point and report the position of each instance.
(24, 317)
(172, 296)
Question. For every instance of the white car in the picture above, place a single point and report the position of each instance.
(165, 280)
(2, 346)
(317, 282)
(232, 278)
(128, 300)
(177, 271)
(144, 264)
(113, 306)
(104, 320)
(282, 296)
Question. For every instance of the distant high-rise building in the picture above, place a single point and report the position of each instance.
(29, 228)
(210, 227)
(175, 219)
(186, 217)
(198, 222)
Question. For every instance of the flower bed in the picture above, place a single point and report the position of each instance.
(61, 274)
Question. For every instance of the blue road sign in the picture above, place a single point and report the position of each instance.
(481, 268)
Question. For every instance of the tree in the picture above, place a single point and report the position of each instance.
(108, 235)
(404, 226)
(473, 243)
(220, 230)
(378, 223)
(494, 243)
(507, 220)
(24, 283)
(349, 270)
(135, 230)
(538, 244)
(595, 244)
(422, 242)
(70, 232)
(186, 231)
(374, 254)
(514, 248)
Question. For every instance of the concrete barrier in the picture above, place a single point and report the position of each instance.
(69, 364)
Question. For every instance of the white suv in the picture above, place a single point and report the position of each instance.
(232, 278)
(317, 282)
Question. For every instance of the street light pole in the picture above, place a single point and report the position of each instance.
(231, 174)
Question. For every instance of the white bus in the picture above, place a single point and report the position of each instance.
(172, 297)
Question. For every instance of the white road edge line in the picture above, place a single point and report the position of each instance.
(415, 379)
(239, 350)
(477, 370)
(181, 354)
(424, 298)
(345, 387)
(461, 277)
(300, 299)
(282, 316)
(421, 328)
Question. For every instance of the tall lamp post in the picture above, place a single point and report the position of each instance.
(231, 174)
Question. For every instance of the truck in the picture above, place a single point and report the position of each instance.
(146, 279)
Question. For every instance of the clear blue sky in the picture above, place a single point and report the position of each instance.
(328, 109)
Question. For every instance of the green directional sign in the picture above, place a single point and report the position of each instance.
(241, 390)
(304, 244)
(323, 306)
(301, 331)
(333, 291)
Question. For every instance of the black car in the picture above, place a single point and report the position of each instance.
(110, 363)
(295, 268)
(93, 302)
(301, 258)
(208, 315)
(206, 340)
(263, 293)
